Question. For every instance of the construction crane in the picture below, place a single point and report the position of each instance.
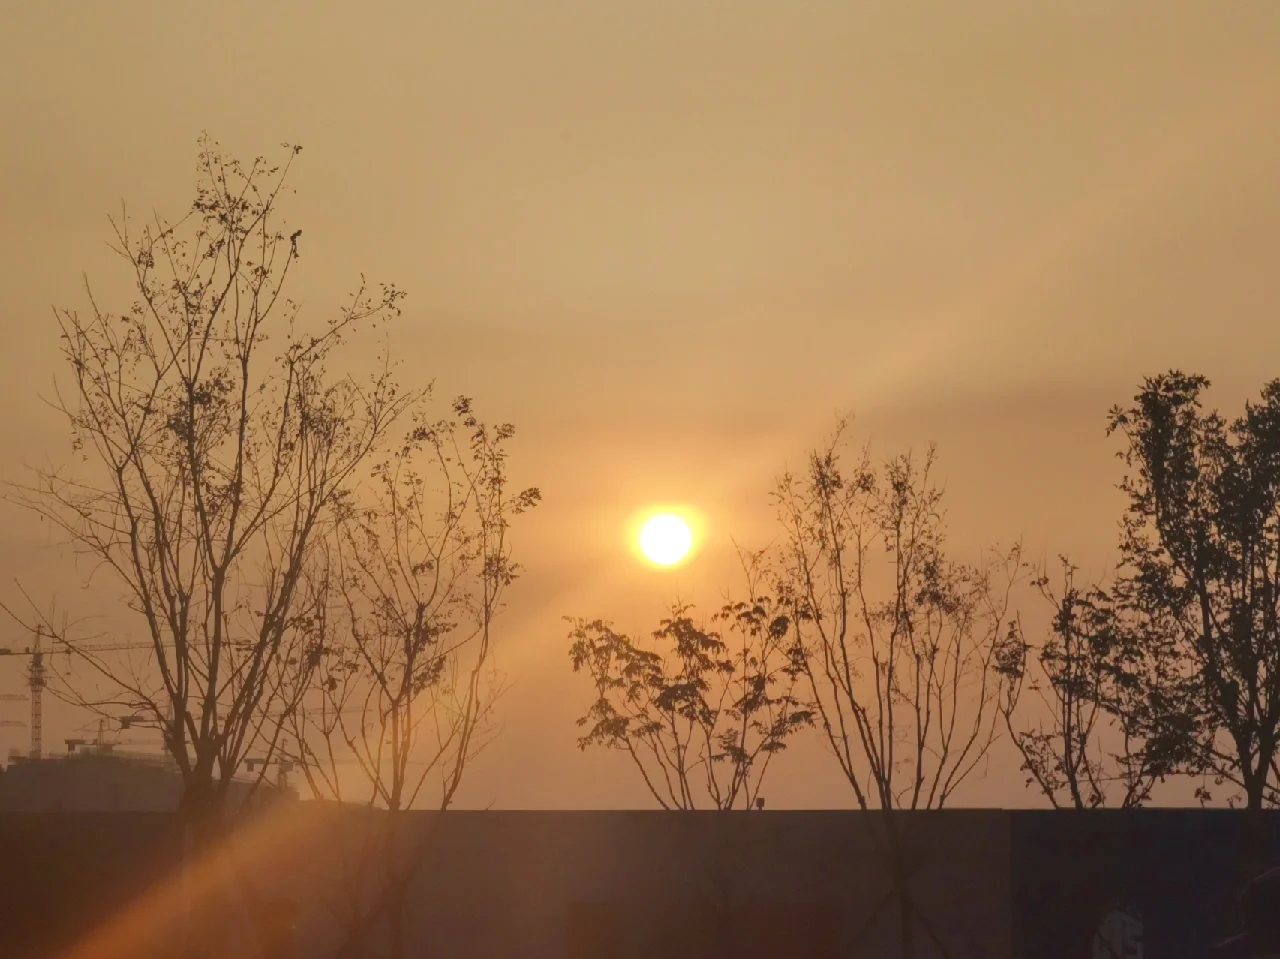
(283, 768)
(85, 649)
(36, 684)
(101, 745)
(36, 681)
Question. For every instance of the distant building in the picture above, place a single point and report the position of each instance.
(97, 777)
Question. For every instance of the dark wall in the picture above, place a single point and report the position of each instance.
(544, 885)
(1170, 875)
(1166, 876)
(63, 874)
(776, 930)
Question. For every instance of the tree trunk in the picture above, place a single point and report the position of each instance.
(203, 901)
(1253, 839)
(898, 844)
(395, 923)
(397, 878)
(906, 920)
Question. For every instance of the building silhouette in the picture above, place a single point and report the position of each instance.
(96, 776)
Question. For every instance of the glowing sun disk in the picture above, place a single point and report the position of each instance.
(665, 539)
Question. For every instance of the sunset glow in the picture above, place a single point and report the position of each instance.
(665, 539)
(587, 419)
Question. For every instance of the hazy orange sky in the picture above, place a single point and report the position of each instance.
(672, 240)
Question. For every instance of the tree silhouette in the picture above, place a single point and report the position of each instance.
(405, 679)
(1196, 593)
(1087, 747)
(211, 467)
(898, 643)
(702, 713)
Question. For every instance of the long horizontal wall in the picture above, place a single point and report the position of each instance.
(613, 885)
(1152, 883)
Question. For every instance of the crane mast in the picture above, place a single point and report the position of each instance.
(36, 682)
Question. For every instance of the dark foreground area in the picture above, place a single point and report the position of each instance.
(1156, 884)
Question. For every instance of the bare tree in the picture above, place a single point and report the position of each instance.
(405, 681)
(210, 468)
(898, 643)
(1085, 749)
(701, 715)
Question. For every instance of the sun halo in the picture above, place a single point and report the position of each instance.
(665, 539)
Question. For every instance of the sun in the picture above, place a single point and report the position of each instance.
(665, 539)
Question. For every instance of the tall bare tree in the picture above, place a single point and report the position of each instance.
(701, 714)
(897, 642)
(211, 465)
(405, 681)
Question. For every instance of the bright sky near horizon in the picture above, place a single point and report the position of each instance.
(671, 240)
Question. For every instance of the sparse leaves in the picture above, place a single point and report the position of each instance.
(897, 642)
(699, 710)
(1091, 746)
(414, 578)
(211, 468)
